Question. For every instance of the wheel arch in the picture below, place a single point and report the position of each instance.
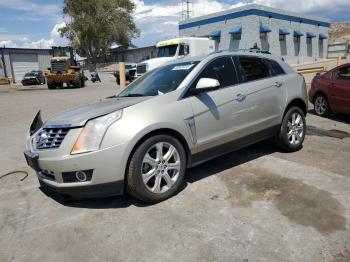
(319, 92)
(298, 102)
(161, 131)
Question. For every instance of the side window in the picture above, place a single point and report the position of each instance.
(274, 67)
(221, 69)
(184, 49)
(343, 73)
(253, 69)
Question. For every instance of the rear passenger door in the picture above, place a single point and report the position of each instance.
(263, 83)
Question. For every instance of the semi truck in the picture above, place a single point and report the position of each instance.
(174, 49)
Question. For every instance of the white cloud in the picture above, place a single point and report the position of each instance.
(24, 41)
(159, 21)
(310, 6)
(32, 10)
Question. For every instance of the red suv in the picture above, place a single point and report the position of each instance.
(330, 92)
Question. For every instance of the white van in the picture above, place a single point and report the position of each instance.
(177, 48)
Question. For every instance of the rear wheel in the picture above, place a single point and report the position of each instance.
(156, 169)
(77, 83)
(321, 105)
(292, 132)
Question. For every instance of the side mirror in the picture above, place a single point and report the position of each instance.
(206, 84)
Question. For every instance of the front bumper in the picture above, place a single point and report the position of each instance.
(30, 82)
(57, 168)
(99, 190)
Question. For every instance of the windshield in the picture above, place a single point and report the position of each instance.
(159, 81)
(61, 51)
(167, 51)
(30, 74)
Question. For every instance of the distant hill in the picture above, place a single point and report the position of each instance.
(340, 32)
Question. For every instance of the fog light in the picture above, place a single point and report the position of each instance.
(81, 176)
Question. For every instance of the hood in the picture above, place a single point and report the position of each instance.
(79, 116)
(156, 62)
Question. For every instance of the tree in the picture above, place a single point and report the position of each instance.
(96, 24)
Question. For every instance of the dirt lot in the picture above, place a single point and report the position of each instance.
(256, 204)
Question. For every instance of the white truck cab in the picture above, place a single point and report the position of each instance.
(177, 48)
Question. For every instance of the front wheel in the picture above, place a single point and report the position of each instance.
(321, 105)
(156, 169)
(291, 135)
(77, 80)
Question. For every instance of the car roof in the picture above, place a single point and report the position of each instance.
(228, 52)
(248, 52)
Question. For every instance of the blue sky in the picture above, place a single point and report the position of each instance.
(34, 23)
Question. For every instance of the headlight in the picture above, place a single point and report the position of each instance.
(92, 134)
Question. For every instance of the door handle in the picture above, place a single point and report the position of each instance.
(278, 84)
(240, 97)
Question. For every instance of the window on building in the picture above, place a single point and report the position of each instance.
(263, 36)
(253, 69)
(296, 39)
(282, 38)
(309, 40)
(221, 69)
(236, 36)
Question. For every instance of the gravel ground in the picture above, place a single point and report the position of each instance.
(256, 204)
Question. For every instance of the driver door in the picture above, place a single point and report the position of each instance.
(218, 113)
(340, 90)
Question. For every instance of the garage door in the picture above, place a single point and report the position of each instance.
(23, 63)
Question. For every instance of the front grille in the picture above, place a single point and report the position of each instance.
(58, 66)
(141, 69)
(49, 138)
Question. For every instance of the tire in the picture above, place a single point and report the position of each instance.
(291, 135)
(51, 85)
(118, 80)
(44, 81)
(82, 81)
(321, 105)
(169, 179)
(77, 80)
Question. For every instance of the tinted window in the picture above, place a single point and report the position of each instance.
(344, 73)
(221, 69)
(274, 67)
(166, 51)
(184, 50)
(253, 69)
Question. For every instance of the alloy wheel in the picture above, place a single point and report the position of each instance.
(160, 167)
(321, 105)
(295, 130)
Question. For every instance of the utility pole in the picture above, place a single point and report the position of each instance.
(186, 9)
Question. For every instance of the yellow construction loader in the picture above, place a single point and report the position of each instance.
(64, 69)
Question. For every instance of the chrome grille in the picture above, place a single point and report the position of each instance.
(141, 69)
(49, 138)
(59, 66)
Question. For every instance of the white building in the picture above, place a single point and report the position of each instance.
(295, 37)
